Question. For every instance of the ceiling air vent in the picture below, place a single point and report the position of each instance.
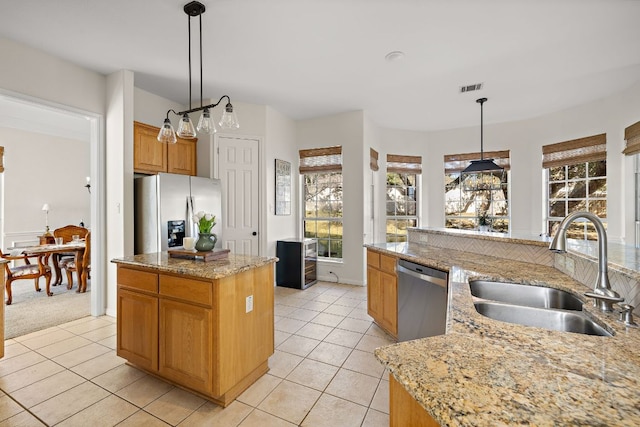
(471, 88)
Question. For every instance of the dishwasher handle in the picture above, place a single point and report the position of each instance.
(422, 276)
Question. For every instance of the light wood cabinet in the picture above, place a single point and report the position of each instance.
(404, 410)
(151, 156)
(186, 344)
(202, 336)
(382, 291)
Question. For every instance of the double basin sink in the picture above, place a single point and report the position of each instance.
(531, 305)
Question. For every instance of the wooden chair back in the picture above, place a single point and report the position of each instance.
(68, 231)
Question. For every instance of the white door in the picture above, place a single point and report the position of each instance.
(238, 169)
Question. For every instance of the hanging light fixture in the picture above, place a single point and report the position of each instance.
(205, 124)
(481, 174)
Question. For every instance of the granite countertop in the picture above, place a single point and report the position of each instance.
(484, 372)
(217, 269)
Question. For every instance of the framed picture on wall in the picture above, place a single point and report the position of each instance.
(283, 187)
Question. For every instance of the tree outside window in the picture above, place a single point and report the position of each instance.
(401, 205)
(576, 176)
(577, 187)
(323, 212)
(469, 208)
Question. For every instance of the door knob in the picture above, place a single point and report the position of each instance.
(255, 233)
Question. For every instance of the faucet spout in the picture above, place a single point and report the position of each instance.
(602, 286)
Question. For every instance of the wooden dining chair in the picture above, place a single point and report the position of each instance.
(67, 232)
(25, 271)
(70, 266)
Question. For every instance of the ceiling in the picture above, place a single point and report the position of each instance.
(310, 58)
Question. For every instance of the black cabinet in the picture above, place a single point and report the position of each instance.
(296, 267)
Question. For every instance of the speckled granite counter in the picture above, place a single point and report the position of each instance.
(483, 372)
(161, 262)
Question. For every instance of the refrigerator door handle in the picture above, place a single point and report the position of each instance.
(190, 223)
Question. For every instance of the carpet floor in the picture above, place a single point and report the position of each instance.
(32, 311)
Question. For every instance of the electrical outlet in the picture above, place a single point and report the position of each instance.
(249, 304)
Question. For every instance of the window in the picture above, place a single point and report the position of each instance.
(402, 195)
(321, 169)
(469, 209)
(576, 176)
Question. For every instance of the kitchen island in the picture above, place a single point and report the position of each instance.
(484, 372)
(204, 326)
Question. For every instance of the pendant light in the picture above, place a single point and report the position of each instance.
(206, 125)
(483, 174)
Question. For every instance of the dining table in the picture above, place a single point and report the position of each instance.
(45, 252)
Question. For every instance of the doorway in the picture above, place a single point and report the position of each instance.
(59, 120)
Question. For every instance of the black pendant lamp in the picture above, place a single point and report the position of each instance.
(483, 174)
(205, 124)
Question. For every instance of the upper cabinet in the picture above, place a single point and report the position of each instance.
(151, 156)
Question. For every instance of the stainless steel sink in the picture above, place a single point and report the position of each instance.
(558, 320)
(527, 295)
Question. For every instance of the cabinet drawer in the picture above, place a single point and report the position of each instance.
(388, 263)
(197, 291)
(373, 258)
(137, 279)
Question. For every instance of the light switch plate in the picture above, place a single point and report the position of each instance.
(249, 304)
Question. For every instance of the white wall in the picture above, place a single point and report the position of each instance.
(524, 139)
(344, 129)
(43, 169)
(281, 144)
(119, 167)
(35, 73)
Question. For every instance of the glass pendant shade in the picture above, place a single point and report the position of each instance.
(185, 128)
(229, 119)
(206, 124)
(167, 134)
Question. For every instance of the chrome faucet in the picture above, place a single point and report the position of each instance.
(603, 295)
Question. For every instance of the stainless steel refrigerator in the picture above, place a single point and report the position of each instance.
(164, 208)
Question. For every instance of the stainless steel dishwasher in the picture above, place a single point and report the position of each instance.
(422, 301)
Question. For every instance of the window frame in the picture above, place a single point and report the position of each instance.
(416, 217)
(587, 199)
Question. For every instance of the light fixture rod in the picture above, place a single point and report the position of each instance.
(189, 26)
(191, 110)
(481, 101)
(200, 60)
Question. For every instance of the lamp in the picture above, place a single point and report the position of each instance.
(481, 174)
(88, 185)
(45, 208)
(205, 124)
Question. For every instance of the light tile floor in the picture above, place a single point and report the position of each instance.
(323, 373)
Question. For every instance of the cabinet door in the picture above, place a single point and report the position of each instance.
(181, 157)
(149, 155)
(138, 329)
(186, 345)
(374, 294)
(389, 285)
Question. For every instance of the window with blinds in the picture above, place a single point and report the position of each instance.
(478, 209)
(402, 195)
(576, 177)
(321, 169)
(632, 137)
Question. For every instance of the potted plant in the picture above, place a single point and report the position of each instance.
(483, 221)
(206, 239)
